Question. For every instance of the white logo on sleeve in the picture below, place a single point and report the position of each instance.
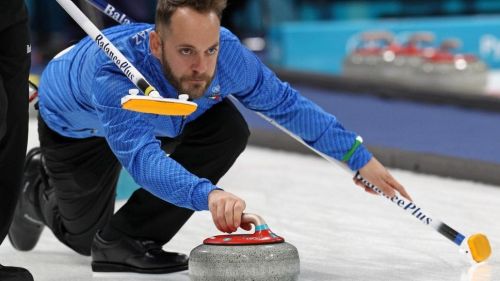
(28, 49)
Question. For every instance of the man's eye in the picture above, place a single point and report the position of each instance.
(186, 51)
(212, 51)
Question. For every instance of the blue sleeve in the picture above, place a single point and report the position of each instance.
(265, 93)
(131, 138)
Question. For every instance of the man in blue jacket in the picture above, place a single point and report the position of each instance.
(86, 137)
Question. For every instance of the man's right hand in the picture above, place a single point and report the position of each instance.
(226, 209)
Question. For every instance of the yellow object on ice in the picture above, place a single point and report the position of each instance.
(479, 246)
(161, 106)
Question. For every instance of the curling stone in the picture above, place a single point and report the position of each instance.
(261, 256)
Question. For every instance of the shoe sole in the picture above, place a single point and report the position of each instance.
(116, 267)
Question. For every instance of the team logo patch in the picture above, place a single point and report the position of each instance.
(215, 93)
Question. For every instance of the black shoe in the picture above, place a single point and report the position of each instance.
(27, 226)
(129, 255)
(10, 273)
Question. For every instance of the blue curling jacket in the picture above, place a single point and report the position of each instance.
(80, 93)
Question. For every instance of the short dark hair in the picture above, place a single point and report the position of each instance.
(166, 8)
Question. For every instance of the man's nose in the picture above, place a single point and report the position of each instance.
(200, 64)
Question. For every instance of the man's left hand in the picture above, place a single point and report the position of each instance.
(377, 174)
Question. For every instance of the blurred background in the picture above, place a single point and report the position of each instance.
(419, 80)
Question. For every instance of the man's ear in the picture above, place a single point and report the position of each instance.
(155, 44)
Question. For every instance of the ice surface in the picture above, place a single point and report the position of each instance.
(341, 232)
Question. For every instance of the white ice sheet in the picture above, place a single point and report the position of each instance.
(341, 232)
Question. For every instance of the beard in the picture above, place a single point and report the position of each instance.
(193, 85)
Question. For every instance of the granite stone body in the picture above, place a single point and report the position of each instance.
(266, 262)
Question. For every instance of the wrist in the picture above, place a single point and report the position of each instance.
(214, 192)
(360, 158)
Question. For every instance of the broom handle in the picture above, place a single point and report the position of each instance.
(111, 51)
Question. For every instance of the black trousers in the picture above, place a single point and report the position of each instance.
(82, 176)
(14, 70)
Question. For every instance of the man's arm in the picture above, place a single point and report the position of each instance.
(131, 138)
(265, 93)
(262, 91)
